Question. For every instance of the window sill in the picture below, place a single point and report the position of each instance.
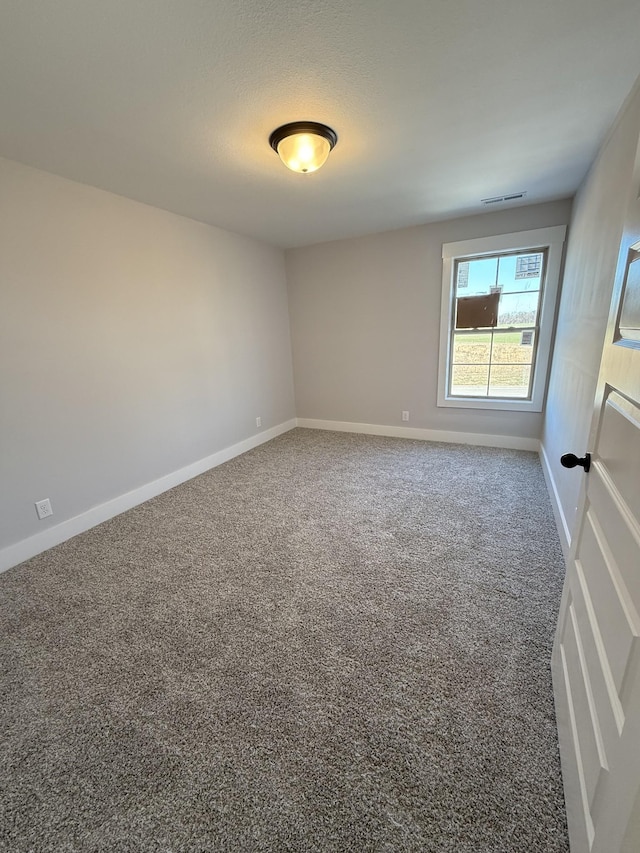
(495, 404)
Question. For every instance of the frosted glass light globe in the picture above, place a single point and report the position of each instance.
(304, 152)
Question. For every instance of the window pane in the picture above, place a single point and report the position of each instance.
(509, 380)
(513, 347)
(477, 312)
(518, 309)
(520, 272)
(471, 349)
(475, 277)
(468, 380)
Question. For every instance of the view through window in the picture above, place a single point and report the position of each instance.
(496, 325)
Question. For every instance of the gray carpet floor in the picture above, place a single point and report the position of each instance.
(332, 643)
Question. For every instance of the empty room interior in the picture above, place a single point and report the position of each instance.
(320, 426)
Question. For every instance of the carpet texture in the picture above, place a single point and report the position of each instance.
(332, 643)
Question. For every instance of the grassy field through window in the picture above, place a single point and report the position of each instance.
(484, 367)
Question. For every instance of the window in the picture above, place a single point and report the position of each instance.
(498, 305)
(495, 325)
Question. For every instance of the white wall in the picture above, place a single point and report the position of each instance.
(365, 316)
(133, 342)
(592, 250)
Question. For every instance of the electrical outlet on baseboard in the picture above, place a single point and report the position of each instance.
(405, 416)
(43, 508)
(258, 422)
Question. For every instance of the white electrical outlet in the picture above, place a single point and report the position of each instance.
(258, 422)
(43, 508)
(405, 416)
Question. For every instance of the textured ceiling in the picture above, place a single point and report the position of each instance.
(437, 103)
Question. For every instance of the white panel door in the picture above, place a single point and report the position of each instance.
(596, 656)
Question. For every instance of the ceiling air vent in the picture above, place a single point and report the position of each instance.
(501, 198)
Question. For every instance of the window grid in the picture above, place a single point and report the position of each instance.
(493, 330)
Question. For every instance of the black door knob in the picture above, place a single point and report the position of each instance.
(570, 460)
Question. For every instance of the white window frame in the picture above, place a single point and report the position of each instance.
(551, 239)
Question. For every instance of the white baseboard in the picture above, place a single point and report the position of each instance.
(561, 519)
(27, 548)
(509, 442)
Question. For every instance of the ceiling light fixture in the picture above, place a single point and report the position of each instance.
(303, 146)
